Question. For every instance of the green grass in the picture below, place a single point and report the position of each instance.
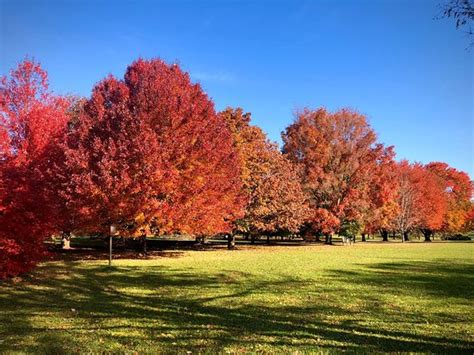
(367, 297)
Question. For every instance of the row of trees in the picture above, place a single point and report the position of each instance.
(353, 184)
(149, 154)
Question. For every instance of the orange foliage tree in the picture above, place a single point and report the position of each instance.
(432, 204)
(335, 152)
(469, 223)
(421, 200)
(457, 190)
(275, 200)
(383, 191)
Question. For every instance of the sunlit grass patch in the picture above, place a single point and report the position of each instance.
(382, 297)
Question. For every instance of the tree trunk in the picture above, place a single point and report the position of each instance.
(230, 241)
(66, 240)
(144, 246)
(363, 237)
(328, 239)
(200, 239)
(354, 238)
(384, 234)
(252, 239)
(427, 234)
(268, 239)
(405, 237)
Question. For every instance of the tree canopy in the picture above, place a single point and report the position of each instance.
(149, 154)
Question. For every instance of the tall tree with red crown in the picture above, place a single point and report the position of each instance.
(32, 120)
(335, 153)
(150, 153)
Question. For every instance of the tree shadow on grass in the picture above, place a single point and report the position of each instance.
(441, 278)
(178, 309)
(81, 254)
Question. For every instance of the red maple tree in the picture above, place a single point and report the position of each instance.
(149, 153)
(32, 120)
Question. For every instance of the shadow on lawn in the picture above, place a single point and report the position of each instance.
(170, 303)
(442, 278)
(82, 254)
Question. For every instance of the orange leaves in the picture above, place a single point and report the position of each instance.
(421, 199)
(383, 206)
(275, 200)
(456, 192)
(334, 151)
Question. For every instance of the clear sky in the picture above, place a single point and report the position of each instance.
(390, 59)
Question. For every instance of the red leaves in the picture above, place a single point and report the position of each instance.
(150, 154)
(147, 152)
(152, 146)
(31, 122)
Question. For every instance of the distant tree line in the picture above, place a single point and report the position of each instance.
(150, 155)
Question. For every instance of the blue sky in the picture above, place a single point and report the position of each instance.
(391, 60)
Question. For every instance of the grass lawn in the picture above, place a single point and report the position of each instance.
(366, 297)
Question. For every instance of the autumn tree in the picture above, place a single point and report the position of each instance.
(421, 201)
(469, 222)
(32, 120)
(149, 153)
(383, 191)
(457, 191)
(275, 200)
(334, 151)
(67, 214)
(406, 218)
(431, 205)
